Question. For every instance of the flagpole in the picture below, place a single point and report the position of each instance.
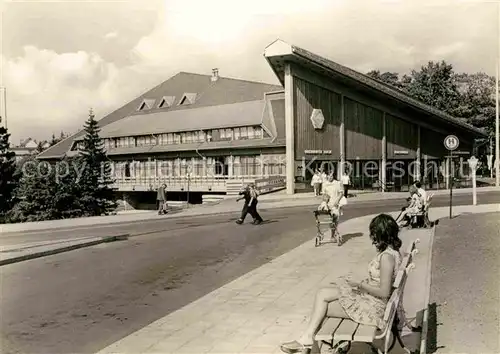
(497, 144)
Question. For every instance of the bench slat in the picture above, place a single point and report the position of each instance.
(327, 329)
(365, 334)
(346, 330)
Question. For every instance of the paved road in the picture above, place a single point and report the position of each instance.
(465, 285)
(84, 300)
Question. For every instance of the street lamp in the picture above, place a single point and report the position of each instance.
(473, 164)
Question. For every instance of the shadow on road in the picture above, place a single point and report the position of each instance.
(432, 331)
(347, 237)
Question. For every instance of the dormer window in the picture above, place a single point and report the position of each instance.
(146, 104)
(187, 98)
(166, 101)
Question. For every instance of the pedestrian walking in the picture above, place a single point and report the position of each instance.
(316, 183)
(250, 195)
(161, 198)
(254, 194)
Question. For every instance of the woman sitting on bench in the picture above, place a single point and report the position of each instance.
(414, 207)
(362, 302)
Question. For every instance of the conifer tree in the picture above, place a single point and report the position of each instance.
(8, 179)
(47, 192)
(97, 196)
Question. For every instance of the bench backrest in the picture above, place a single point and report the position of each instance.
(395, 300)
(428, 202)
(407, 260)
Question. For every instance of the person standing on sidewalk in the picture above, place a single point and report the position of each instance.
(346, 181)
(316, 183)
(161, 198)
(363, 301)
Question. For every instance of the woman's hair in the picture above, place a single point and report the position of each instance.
(413, 189)
(384, 232)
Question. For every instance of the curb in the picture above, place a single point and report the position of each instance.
(425, 320)
(34, 255)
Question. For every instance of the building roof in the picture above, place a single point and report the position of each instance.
(223, 91)
(211, 117)
(279, 51)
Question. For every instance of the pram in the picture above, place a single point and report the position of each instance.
(325, 222)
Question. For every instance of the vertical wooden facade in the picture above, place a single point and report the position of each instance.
(360, 128)
(309, 96)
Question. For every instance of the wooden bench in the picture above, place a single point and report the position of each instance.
(421, 219)
(335, 332)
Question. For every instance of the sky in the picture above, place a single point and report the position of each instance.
(61, 57)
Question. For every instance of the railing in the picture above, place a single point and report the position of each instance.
(193, 183)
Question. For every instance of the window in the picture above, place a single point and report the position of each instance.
(146, 104)
(237, 133)
(249, 166)
(244, 133)
(170, 138)
(226, 134)
(166, 101)
(188, 98)
(209, 135)
(177, 138)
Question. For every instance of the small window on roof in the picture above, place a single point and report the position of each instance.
(166, 101)
(187, 98)
(146, 104)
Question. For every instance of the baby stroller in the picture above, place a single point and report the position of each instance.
(326, 222)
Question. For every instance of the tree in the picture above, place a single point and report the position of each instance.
(97, 196)
(390, 78)
(8, 178)
(477, 100)
(435, 85)
(47, 191)
(53, 141)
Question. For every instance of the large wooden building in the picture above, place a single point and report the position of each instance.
(201, 135)
(207, 134)
(336, 116)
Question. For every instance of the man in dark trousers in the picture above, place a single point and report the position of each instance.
(161, 197)
(249, 194)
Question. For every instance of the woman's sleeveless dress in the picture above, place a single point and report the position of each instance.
(362, 307)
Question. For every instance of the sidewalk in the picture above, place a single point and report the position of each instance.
(271, 304)
(272, 200)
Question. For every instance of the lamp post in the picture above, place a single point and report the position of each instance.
(473, 164)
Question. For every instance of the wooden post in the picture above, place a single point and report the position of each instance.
(383, 166)
(289, 130)
(419, 156)
(341, 169)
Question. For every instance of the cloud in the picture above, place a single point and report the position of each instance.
(49, 91)
(111, 35)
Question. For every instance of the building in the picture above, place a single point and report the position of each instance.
(28, 147)
(336, 116)
(203, 135)
(198, 134)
